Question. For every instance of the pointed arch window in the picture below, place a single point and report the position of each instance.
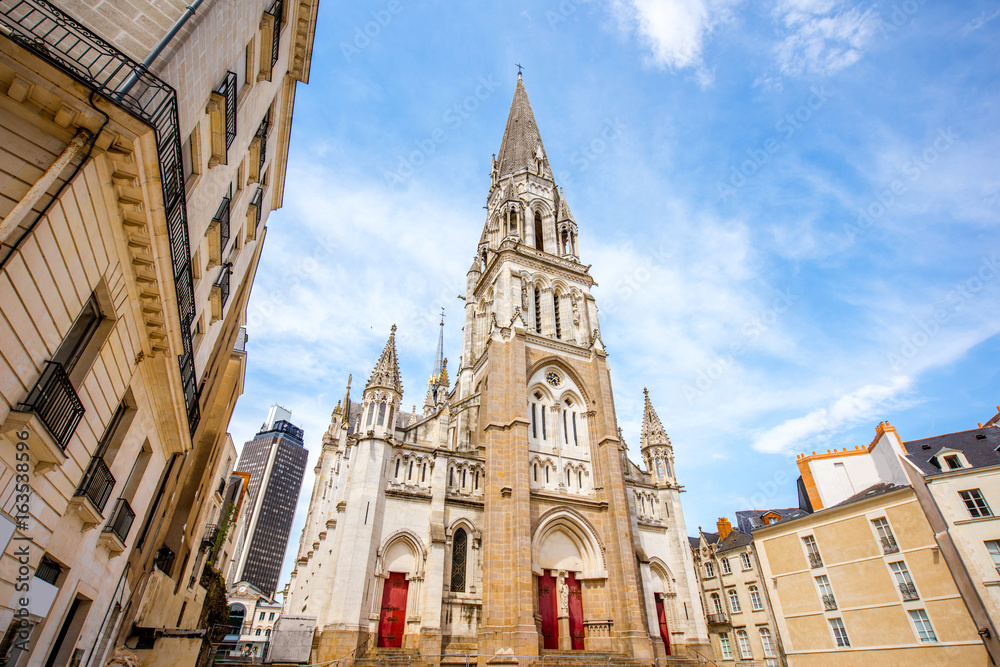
(543, 423)
(576, 441)
(659, 467)
(569, 481)
(396, 474)
(565, 429)
(717, 603)
(538, 310)
(546, 471)
(409, 474)
(534, 470)
(539, 238)
(371, 415)
(579, 479)
(555, 310)
(534, 431)
(423, 474)
(381, 413)
(459, 547)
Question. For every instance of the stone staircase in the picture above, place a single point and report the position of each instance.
(554, 658)
(391, 657)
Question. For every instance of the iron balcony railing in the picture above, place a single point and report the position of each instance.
(164, 559)
(265, 127)
(228, 90)
(55, 402)
(829, 602)
(39, 26)
(889, 545)
(222, 217)
(257, 202)
(121, 520)
(208, 539)
(909, 591)
(276, 10)
(224, 281)
(815, 560)
(97, 483)
(718, 619)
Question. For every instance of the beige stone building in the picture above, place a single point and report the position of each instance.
(737, 610)
(506, 516)
(133, 206)
(957, 479)
(862, 581)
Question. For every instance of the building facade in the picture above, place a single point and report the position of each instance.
(956, 477)
(861, 580)
(737, 610)
(276, 463)
(133, 200)
(506, 517)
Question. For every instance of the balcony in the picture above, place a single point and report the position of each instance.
(909, 591)
(718, 619)
(211, 533)
(815, 560)
(276, 10)
(222, 220)
(228, 90)
(116, 532)
(47, 418)
(93, 493)
(829, 602)
(889, 545)
(164, 560)
(43, 29)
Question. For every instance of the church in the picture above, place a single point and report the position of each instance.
(506, 518)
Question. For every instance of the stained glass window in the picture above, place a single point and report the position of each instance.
(458, 558)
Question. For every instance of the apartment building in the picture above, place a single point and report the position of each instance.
(740, 625)
(134, 198)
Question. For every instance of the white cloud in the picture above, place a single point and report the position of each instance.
(822, 36)
(861, 405)
(674, 31)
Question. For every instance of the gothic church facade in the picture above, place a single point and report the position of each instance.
(506, 516)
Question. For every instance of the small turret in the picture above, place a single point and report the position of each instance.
(657, 450)
(383, 393)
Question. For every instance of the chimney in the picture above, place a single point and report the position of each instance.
(724, 528)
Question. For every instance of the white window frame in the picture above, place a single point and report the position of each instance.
(726, 569)
(734, 601)
(725, 647)
(743, 644)
(756, 602)
(839, 630)
(767, 641)
(922, 626)
(745, 561)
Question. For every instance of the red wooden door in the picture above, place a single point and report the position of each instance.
(575, 611)
(661, 618)
(547, 610)
(393, 618)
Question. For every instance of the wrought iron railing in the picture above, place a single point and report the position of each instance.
(718, 619)
(889, 545)
(909, 591)
(222, 217)
(97, 483)
(121, 520)
(228, 90)
(211, 532)
(257, 202)
(164, 559)
(55, 402)
(224, 281)
(815, 560)
(276, 10)
(42, 28)
(265, 127)
(829, 602)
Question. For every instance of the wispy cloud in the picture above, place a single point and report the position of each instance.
(864, 404)
(822, 36)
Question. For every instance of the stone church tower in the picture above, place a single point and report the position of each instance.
(507, 515)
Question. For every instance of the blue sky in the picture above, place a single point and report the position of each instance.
(790, 209)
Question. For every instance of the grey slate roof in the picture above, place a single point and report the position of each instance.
(735, 540)
(521, 138)
(749, 520)
(979, 446)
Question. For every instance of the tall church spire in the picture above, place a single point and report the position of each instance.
(521, 149)
(386, 373)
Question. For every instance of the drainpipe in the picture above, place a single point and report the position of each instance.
(41, 186)
(155, 53)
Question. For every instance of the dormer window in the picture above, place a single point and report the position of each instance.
(952, 462)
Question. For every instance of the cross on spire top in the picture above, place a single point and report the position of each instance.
(519, 68)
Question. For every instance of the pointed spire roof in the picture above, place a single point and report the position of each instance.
(522, 142)
(564, 213)
(386, 373)
(439, 356)
(653, 432)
